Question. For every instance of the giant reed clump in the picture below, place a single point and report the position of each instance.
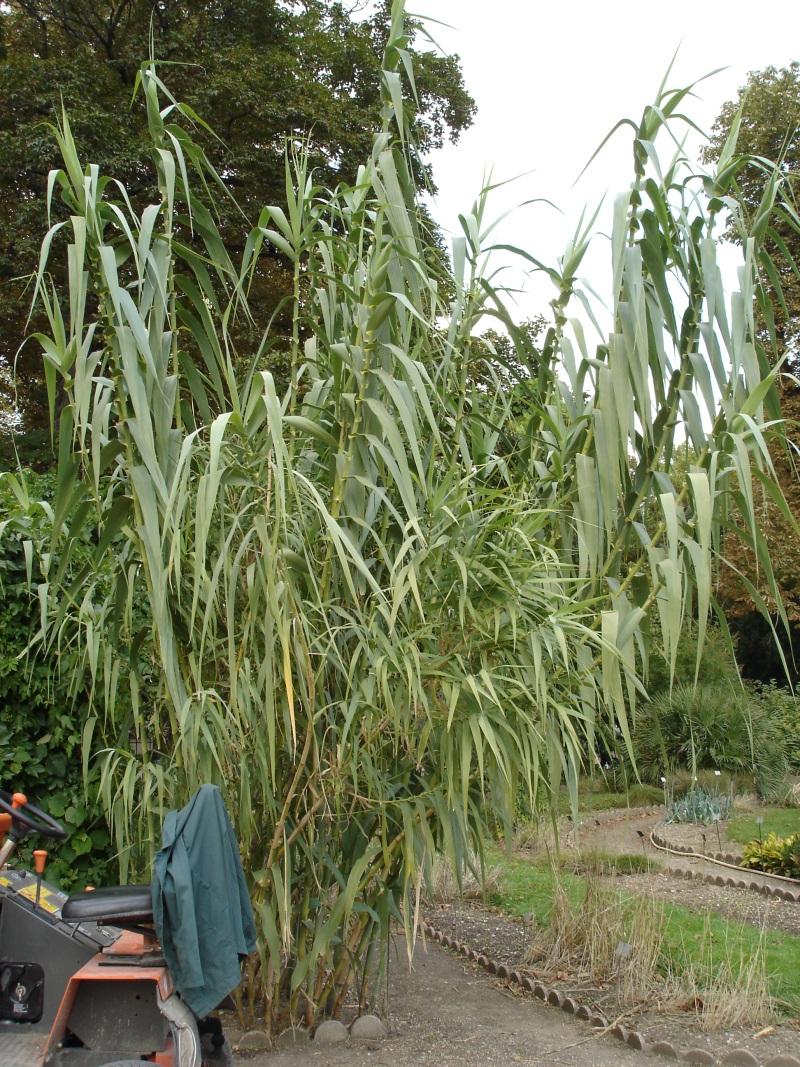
(369, 602)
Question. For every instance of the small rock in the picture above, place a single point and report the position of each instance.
(555, 998)
(515, 976)
(254, 1041)
(292, 1036)
(484, 961)
(331, 1032)
(367, 1028)
(665, 1049)
(755, 887)
(620, 1032)
(502, 971)
(491, 967)
(529, 984)
(730, 882)
(719, 880)
(740, 1057)
(636, 1040)
(782, 1061)
(569, 1006)
(700, 1057)
(583, 1012)
(539, 991)
(599, 1021)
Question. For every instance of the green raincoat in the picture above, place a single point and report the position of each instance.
(201, 907)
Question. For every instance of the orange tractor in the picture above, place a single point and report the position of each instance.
(83, 982)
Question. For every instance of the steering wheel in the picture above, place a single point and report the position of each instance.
(28, 819)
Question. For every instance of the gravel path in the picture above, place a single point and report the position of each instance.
(621, 835)
(448, 1013)
(506, 940)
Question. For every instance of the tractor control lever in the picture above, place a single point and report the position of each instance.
(40, 862)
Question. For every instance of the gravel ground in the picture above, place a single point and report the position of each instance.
(621, 835)
(702, 838)
(740, 904)
(506, 940)
(447, 1013)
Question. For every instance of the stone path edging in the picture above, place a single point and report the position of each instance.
(661, 842)
(632, 1038)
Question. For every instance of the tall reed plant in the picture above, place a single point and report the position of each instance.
(376, 603)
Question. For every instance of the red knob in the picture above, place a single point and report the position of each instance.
(19, 800)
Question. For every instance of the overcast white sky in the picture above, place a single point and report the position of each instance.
(551, 79)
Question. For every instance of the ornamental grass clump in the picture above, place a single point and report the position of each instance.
(375, 601)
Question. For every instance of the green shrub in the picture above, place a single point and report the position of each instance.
(710, 728)
(717, 664)
(41, 724)
(782, 707)
(775, 855)
(713, 781)
(699, 806)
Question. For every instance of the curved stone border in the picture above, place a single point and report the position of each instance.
(632, 1038)
(725, 859)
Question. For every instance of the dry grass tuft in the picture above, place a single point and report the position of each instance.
(444, 887)
(602, 937)
(606, 938)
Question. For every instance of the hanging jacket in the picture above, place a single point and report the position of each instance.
(201, 907)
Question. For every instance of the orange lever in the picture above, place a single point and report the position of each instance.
(39, 859)
(19, 800)
(5, 822)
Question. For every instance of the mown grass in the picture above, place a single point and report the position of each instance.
(781, 821)
(597, 861)
(699, 941)
(590, 798)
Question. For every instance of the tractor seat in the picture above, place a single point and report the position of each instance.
(115, 905)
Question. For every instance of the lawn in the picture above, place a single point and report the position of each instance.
(781, 821)
(592, 799)
(690, 938)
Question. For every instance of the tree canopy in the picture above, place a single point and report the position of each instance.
(258, 71)
(770, 130)
(768, 109)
